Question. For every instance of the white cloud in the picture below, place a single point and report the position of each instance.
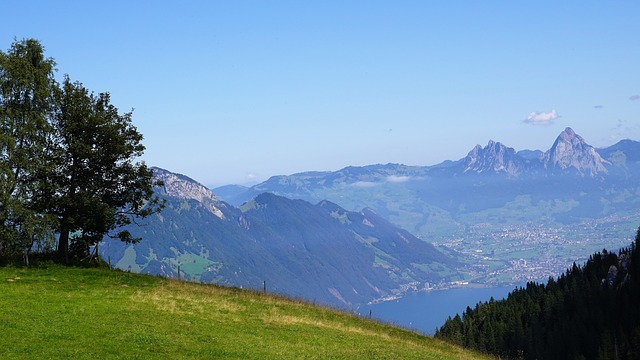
(251, 178)
(365, 184)
(393, 179)
(398, 178)
(541, 118)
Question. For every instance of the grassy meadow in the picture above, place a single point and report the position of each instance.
(56, 312)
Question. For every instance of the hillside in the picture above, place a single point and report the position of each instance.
(319, 252)
(590, 312)
(56, 312)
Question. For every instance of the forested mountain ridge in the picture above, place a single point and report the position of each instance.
(318, 252)
(589, 312)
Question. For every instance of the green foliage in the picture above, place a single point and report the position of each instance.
(26, 106)
(66, 160)
(97, 313)
(99, 187)
(590, 312)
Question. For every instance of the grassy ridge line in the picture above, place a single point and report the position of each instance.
(58, 312)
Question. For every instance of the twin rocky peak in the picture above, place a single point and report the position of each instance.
(569, 153)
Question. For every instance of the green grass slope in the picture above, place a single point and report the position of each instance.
(57, 312)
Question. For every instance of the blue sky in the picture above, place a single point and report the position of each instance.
(238, 91)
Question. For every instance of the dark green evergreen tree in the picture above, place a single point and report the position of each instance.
(589, 312)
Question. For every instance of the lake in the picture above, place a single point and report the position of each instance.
(426, 311)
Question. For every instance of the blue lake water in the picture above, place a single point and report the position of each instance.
(426, 311)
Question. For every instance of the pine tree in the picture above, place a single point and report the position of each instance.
(586, 313)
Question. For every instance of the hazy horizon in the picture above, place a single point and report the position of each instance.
(250, 183)
(236, 92)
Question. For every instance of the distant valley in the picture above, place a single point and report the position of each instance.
(514, 215)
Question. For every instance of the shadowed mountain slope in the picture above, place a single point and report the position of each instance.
(318, 252)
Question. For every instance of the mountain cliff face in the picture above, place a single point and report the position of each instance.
(569, 154)
(183, 187)
(570, 151)
(318, 252)
(496, 158)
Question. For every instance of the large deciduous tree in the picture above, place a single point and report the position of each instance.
(100, 187)
(27, 89)
(68, 160)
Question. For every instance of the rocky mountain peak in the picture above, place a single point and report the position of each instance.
(568, 135)
(495, 157)
(183, 187)
(570, 151)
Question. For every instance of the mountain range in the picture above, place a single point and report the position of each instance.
(318, 252)
(497, 206)
(496, 216)
(488, 177)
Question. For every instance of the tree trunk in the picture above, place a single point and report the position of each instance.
(25, 254)
(63, 246)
